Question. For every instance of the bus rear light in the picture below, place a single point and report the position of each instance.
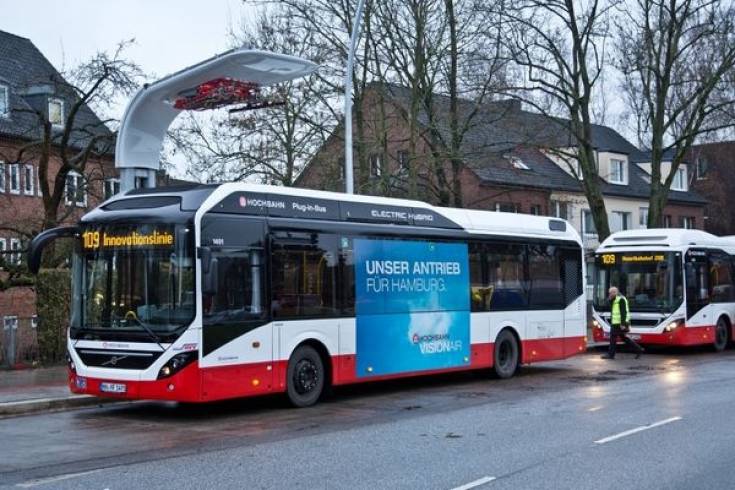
(176, 364)
(70, 363)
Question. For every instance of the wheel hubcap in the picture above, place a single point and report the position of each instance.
(306, 376)
(504, 354)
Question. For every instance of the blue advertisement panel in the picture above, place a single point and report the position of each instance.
(412, 306)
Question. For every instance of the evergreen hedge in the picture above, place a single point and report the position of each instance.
(53, 297)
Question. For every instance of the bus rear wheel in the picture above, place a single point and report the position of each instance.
(507, 355)
(722, 334)
(305, 377)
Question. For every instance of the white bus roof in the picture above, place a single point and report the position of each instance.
(471, 221)
(671, 238)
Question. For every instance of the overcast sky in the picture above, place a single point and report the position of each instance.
(169, 34)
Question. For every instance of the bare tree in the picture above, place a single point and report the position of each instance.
(678, 62)
(77, 139)
(269, 145)
(560, 47)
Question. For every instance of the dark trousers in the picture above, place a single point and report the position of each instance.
(615, 332)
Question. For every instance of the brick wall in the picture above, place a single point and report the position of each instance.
(18, 307)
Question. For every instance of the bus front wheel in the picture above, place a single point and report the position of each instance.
(507, 355)
(305, 377)
(722, 334)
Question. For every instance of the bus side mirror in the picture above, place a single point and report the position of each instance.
(40, 241)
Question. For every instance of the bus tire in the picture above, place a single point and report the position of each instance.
(507, 355)
(722, 334)
(305, 377)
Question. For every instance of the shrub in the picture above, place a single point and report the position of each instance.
(53, 297)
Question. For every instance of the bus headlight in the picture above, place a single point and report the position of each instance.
(595, 324)
(177, 363)
(672, 326)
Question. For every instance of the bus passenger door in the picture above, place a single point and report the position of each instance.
(575, 300)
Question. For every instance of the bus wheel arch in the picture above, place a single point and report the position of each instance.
(507, 356)
(309, 373)
(723, 333)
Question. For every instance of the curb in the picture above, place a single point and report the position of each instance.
(25, 407)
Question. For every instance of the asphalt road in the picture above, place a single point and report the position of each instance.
(659, 422)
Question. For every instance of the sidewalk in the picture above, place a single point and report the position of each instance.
(38, 390)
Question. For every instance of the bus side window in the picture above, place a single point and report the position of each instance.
(303, 276)
(720, 278)
(571, 268)
(238, 295)
(544, 274)
(506, 265)
(480, 289)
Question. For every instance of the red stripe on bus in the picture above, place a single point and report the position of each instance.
(680, 336)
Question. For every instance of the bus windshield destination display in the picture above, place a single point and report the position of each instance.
(612, 259)
(93, 240)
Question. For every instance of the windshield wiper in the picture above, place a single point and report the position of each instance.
(148, 330)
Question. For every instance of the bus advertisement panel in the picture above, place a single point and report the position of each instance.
(412, 302)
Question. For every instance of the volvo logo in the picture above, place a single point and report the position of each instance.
(114, 360)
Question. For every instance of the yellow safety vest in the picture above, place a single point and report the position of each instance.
(616, 314)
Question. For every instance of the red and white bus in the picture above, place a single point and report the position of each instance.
(679, 285)
(212, 292)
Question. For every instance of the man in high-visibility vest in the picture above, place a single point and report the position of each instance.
(619, 323)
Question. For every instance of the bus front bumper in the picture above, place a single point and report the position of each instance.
(681, 335)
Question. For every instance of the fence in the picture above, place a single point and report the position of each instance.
(19, 342)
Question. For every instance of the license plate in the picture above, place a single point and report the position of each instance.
(635, 336)
(113, 387)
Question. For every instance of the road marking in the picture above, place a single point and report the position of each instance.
(53, 479)
(476, 483)
(637, 429)
(594, 409)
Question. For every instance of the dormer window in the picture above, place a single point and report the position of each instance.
(4, 101)
(618, 174)
(56, 112)
(518, 163)
(680, 179)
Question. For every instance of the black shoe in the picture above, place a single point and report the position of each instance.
(607, 356)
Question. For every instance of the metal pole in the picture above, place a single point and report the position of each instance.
(349, 180)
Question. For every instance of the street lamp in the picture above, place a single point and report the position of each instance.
(349, 181)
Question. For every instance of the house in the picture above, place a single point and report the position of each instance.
(513, 160)
(32, 90)
(713, 176)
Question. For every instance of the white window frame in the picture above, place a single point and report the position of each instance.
(26, 190)
(15, 258)
(701, 161)
(78, 180)
(557, 206)
(14, 167)
(10, 322)
(55, 100)
(6, 90)
(687, 222)
(3, 248)
(625, 218)
(681, 174)
(623, 172)
(3, 178)
(643, 217)
(376, 165)
(112, 182)
(34, 322)
(585, 213)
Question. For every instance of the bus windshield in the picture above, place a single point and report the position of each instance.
(134, 278)
(652, 281)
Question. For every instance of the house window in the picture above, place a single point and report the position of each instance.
(15, 247)
(76, 194)
(112, 187)
(34, 321)
(3, 248)
(375, 165)
(617, 172)
(687, 222)
(2, 176)
(680, 179)
(667, 221)
(559, 209)
(56, 112)
(403, 161)
(702, 168)
(29, 180)
(506, 207)
(14, 176)
(536, 209)
(643, 217)
(10, 322)
(620, 221)
(588, 224)
(4, 101)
